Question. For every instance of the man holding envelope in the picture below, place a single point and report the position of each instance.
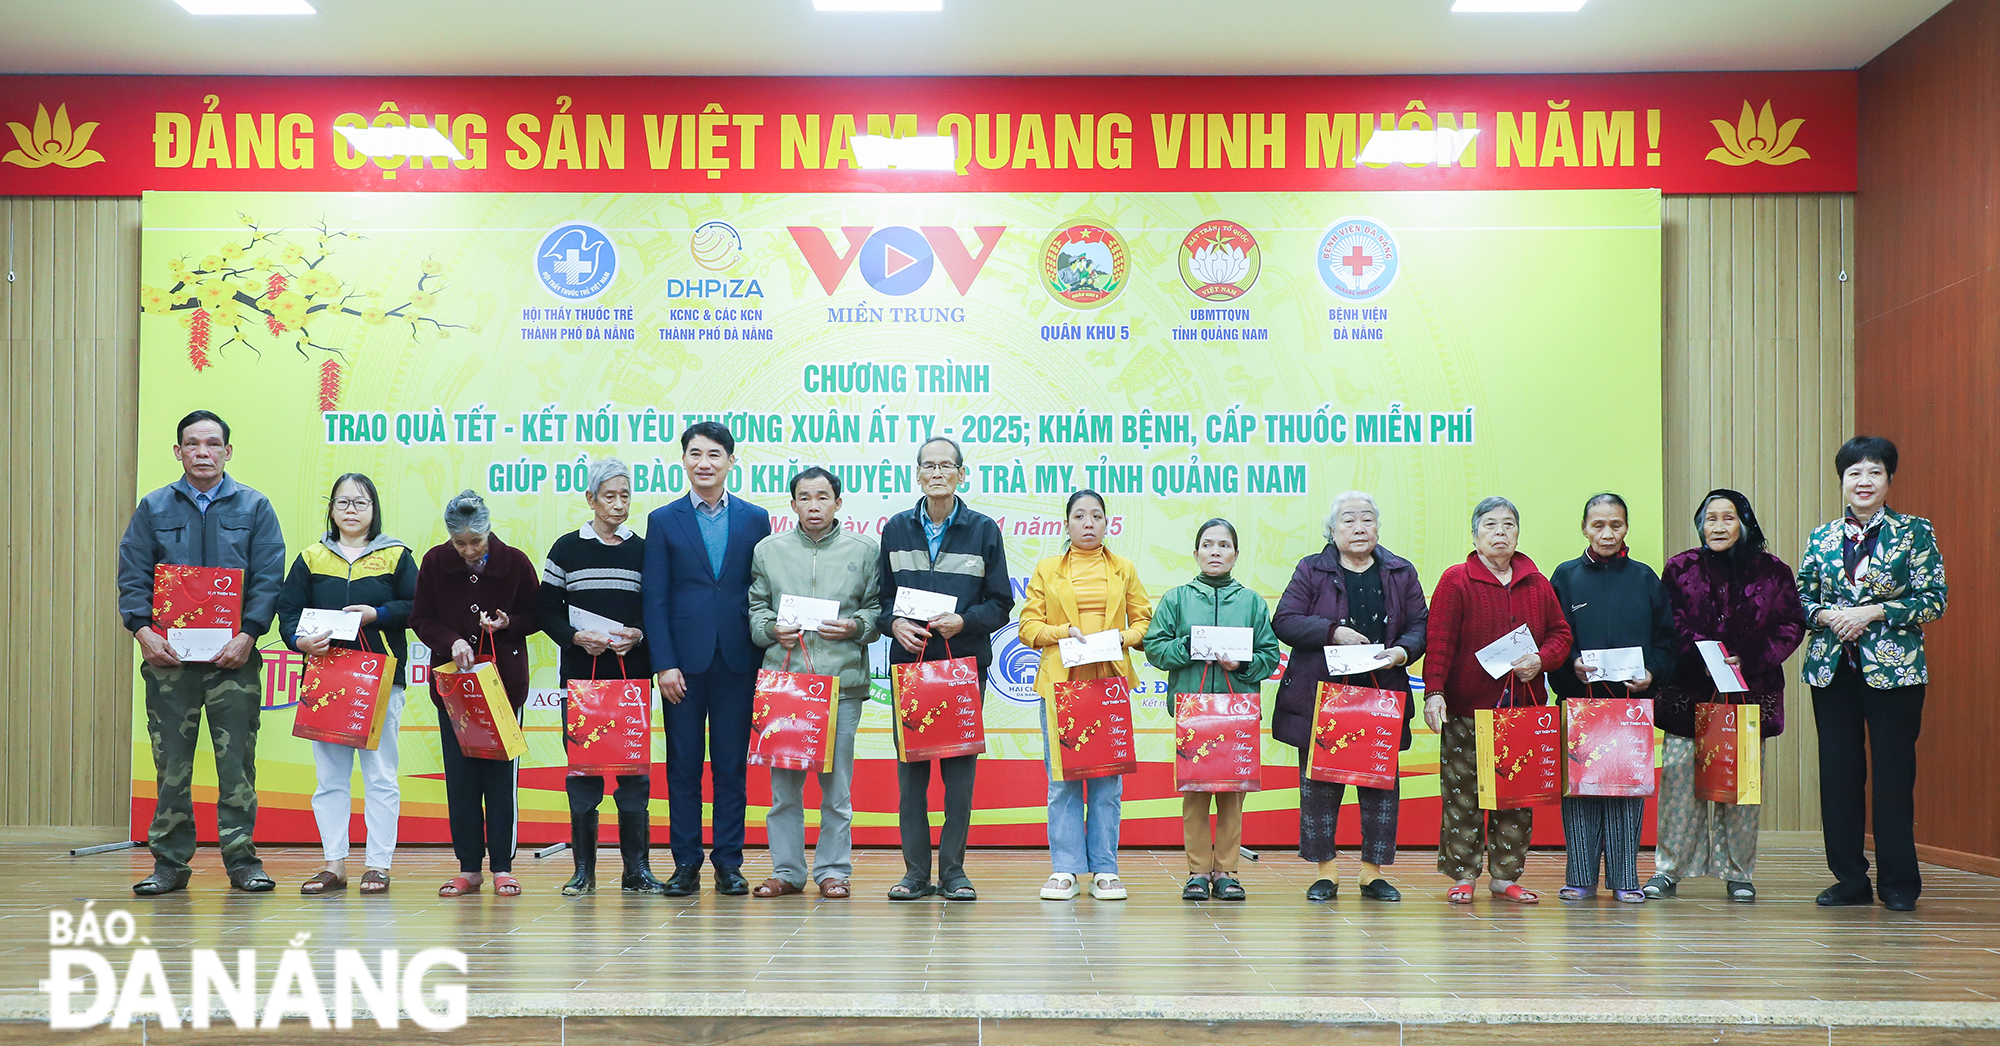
(203, 519)
(815, 591)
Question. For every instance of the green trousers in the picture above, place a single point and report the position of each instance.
(176, 698)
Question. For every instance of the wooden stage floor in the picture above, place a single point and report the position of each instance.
(618, 967)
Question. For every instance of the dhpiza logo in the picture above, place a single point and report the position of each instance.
(897, 259)
(1357, 259)
(576, 261)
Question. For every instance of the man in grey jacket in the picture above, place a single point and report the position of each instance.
(818, 559)
(203, 519)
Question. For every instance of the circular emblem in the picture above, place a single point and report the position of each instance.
(1014, 667)
(576, 261)
(716, 246)
(896, 260)
(1357, 259)
(1084, 266)
(1219, 260)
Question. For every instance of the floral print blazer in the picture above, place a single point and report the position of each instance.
(1905, 577)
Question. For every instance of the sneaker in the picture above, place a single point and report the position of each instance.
(1107, 888)
(1060, 887)
(1660, 886)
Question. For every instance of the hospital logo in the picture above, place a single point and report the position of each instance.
(1014, 667)
(576, 261)
(716, 246)
(1358, 259)
(1219, 260)
(1084, 266)
(896, 260)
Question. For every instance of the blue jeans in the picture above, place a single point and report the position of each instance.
(1083, 821)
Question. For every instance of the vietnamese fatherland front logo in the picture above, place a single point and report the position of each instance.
(1219, 260)
(1084, 266)
(1358, 259)
(52, 141)
(576, 261)
(716, 246)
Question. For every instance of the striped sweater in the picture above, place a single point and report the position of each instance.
(584, 572)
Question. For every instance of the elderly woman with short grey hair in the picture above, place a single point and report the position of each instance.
(476, 603)
(589, 605)
(1351, 592)
(1496, 590)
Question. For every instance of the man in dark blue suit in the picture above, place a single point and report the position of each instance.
(696, 593)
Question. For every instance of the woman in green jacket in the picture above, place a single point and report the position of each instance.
(1212, 598)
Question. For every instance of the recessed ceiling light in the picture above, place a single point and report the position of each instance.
(878, 5)
(876, 153)
(399, 141)
(1516, 6)
(246, 7)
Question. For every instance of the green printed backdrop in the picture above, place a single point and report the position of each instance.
(311, 322)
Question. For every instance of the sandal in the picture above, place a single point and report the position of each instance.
(1060, 887)
(1576, 893)
(960, 891)
(1106, 887)
(374, 881)
(457, 886)
(1630, 896)
(1460, 893)
(1228, 889)
(505, 885)
(1661, 886)
(1196, 888)
(322, 883)
(910, 890)
(1742, 892)
(835, 889)
(1519, 895)
(775, 887)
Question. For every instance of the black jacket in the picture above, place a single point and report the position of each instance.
(384, 578)
(1617, 603)
(971, 564)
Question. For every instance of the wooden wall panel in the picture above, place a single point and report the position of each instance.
(1929, 324)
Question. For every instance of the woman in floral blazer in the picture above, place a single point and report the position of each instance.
(1868, 583)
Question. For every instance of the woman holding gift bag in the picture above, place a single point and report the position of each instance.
(1213, 598)
(1351, 592)
(1726, 590)
(354, 568)
(475, 603)
(1084, 591)
(1495, 591)
(1613, 602)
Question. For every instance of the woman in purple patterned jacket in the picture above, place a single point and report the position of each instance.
(1729, 590)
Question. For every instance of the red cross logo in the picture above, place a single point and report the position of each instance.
(1358, 261)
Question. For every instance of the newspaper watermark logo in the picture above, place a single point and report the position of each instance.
(86, 987)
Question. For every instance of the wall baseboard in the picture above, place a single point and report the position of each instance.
(67, 834)
(1959, 859)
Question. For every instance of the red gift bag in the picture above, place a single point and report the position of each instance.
(481, 717)
(344, 697)
(1728, 753)
(1518, 754)
(197, 597)
(1088, 732)
(940, 711)
(1217, 741)
(1608, 746)
(608, 724)
(1357, 736)
(791, 718)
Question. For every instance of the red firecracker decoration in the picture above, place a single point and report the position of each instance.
(198, 340)
(329, 385)
(276, 328)
(274, 286)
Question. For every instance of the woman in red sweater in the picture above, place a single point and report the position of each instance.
(1493, 592)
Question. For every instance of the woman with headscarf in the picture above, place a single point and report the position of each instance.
(1730, 590)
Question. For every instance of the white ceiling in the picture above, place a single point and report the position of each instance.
(786, 37)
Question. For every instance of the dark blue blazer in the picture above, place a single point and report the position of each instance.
(692, 615)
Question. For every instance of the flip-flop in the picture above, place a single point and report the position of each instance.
(1460, 893)
(322, 883)
(457, 886)
(1518, 894)
(505, 885)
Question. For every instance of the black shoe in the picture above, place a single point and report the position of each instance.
(1899, 902)
(633, 840)
(1841, 895)
(1380, 890)
(252, 880)
(1660, 886)
(163, 880)
(685, 882)
(582, 847)
(730, 881)
(1322, 890)
(1196, 888)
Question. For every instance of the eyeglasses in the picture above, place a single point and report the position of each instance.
(936, 468)
(355, 504)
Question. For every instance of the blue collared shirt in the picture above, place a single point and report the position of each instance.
(203, 499)
(934, 532)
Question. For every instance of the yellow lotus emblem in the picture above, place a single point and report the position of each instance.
(1757, 138)
(52, 142)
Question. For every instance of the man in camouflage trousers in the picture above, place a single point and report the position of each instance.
(204, 519)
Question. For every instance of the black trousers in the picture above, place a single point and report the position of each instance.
(1862, 729)
(479, 797)
(715, 715)
(1319, 816)
(634, 792)
(913, 817)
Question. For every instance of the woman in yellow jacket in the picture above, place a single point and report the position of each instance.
(1085, 590)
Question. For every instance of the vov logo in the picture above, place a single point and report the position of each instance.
(896, 260)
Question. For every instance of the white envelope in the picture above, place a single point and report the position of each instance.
(1728, 678)
(919, 604)
(1355, 659)
(1220, 643)
(805, 612)
(1613, 664)
(1498, 657)
(343, 624)
(1091, 649)
(199, 644)
(585, 621)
